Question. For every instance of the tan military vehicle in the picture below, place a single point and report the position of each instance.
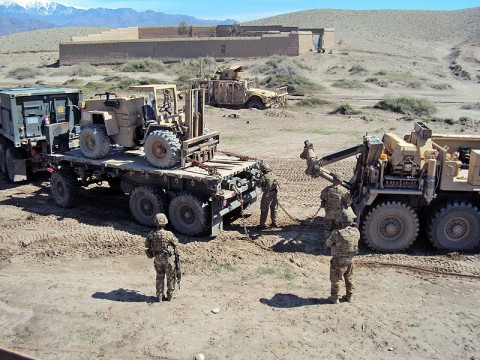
(400, 184)
(167, 134)
(228, 90)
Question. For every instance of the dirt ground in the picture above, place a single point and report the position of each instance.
(75, 283)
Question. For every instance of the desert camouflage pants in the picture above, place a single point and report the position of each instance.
(165, 267)
(269, 201)
(339, 270)
(330, 224)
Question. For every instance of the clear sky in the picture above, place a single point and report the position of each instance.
(244, 10)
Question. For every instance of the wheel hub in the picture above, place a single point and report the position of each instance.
(188, 215)
(456, 229)
(390, 228)
(147, 206)
(159, 150)
(91, 143)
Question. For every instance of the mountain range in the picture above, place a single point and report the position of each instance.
(19, 16)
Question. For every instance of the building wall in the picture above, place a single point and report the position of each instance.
(115, 52)
(162, 32)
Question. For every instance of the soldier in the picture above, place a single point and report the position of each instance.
(162, 245)
(269, 184)
(334, 199)
(344, 245)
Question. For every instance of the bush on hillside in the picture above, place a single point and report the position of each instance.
(407, 105)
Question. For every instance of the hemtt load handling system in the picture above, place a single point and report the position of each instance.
(399, 183)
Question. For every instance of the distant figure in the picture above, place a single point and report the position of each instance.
(269, 184)
(344, 245)
(331, 51)
(163, 246)
(334, 199)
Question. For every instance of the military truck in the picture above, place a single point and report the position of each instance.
(195, 197)
(35, 121)
(226, 89)
(169, 135)
(400, 184)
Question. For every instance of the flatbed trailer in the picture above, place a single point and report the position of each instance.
(195, 197)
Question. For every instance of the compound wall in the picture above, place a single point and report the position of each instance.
(117, 52)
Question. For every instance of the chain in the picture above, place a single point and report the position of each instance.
(244, 222)
(286, 212)
(210, 169)
(308, 224)
(241, 157)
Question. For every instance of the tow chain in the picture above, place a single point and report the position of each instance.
(241, 157)
(238, 193)
(212, 170)
(286, 212)
(307, 225)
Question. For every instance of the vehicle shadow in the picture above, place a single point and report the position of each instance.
(124, 295)
(291, 301)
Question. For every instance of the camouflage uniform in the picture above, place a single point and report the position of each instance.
(334, 199)
(344, 244)
(269, 185)
(161, 244)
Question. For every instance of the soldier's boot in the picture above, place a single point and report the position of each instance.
(263, 226)
(347, 298)
(169, 296)
(333, 300)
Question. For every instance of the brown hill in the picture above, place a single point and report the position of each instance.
(388, 30)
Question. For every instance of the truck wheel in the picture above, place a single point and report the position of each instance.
(145, 202)
(13, 154)
(455, 226)
(162, 149)
(255, 104)
(189, 215)
(390, 226)
(65, 187)
(3, 161)
(94, 141)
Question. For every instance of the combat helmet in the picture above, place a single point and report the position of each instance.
(266, 168)
(160, 220)
(347, 218)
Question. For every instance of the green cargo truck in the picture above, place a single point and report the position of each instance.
(35, 121)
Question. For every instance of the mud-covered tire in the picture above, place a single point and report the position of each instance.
(147, 201)
(65, 187)
(255, 104)
(162, 149)
(3, 161)
(390, 226)
(12, 154)
(189, 214)
(455, 226)
(94, 141)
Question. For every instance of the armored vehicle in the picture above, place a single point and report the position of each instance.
(227, 89)
(399, 184)
(168, 135)
(34, 122)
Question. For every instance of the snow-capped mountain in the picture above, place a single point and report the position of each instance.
(65, 15)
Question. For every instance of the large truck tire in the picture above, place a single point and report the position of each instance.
(94, 141)
(189, 214)
(162, 149)
(147, 201)
(16, 171)
(390, 226)
(65, 187)
(455, 226)
(255, 104)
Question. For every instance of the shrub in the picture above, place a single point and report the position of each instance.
(143, 65)
(72, 82)
(440, 86)
(348, 84)
(378, 82)
(296, 85)
(346, 110)
(311, 102)
(82, 69)
(471, 106)
(357, 69)
(21, 73)
(407, 105)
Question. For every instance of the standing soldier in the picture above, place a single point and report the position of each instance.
(344, 245)
(334, 199)
(162, 245)
(269, 184)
